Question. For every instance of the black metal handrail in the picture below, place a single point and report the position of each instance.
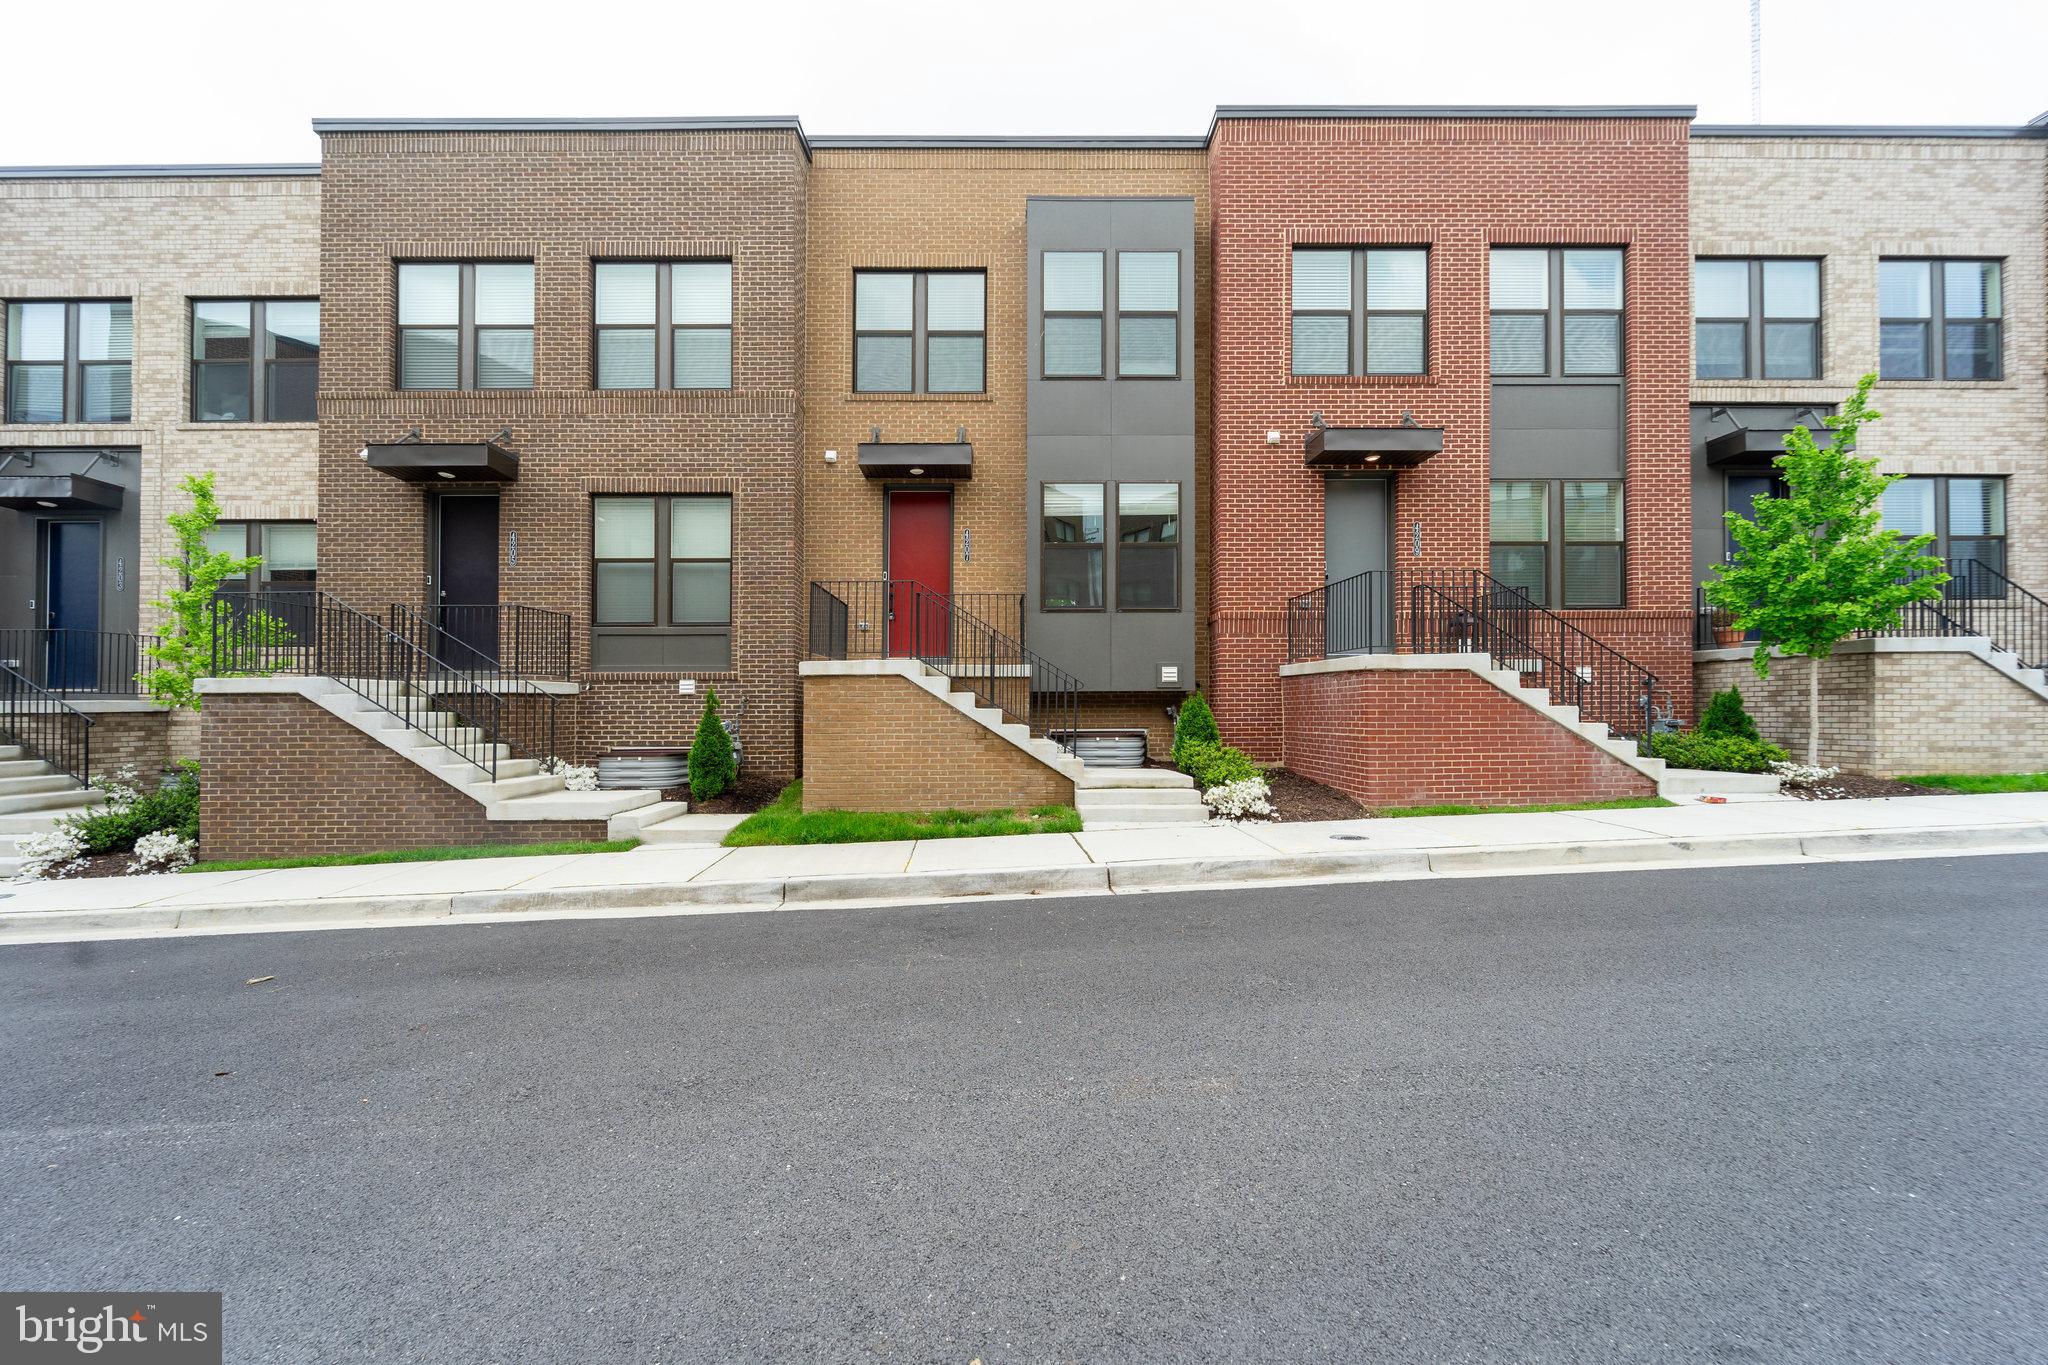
(530, 641)
(1352, 615)
(524, 716)
(462, 709)
(104, 663)
(1977, 600)
(901, 618)
(1469, 610)
(42, 724)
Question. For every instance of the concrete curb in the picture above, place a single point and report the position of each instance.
(37, 926)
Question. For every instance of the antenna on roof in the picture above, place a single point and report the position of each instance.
(1756, 61)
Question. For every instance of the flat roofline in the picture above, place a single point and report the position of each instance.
(1905, 130)
(189, 172)
(787, 123)
(1163, 142)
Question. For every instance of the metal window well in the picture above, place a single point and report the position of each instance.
(1106, 748)
(643, 769)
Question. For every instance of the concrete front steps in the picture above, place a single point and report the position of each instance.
(34, 797)
(520, 791)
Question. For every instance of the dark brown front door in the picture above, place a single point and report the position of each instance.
(920, 535)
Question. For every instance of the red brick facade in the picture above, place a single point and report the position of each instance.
(1458, 186)
(1409, 737)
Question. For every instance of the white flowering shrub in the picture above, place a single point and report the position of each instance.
(1804, 774)
(50, 855)
(164, 851)
(121, 788)
(575, 777)
(1241, 800)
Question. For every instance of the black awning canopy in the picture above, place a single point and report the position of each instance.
(434, 461)
(1384, 447)
(1757, 445)
(59, 492)
(916, 459)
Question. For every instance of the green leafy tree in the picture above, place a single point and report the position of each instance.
(712, 769)
(1195, 724)
(195, 640)
(1816, 566)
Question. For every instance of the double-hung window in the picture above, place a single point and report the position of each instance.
(662, 570)
(1360, 311)
(1756, 318)
(1070, 338)
(920, 331)
(1940, 319)
(663, 324)
(1148, 314)
(1966, 517)
(1071, 549)
(70, 361)
(465, 325)
(290, 551)
(1148, 547)
(255, 360)
(1559, 540)
(1556, 312)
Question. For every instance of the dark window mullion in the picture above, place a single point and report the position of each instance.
(1358, 321)
(664, 330)
(259, 343)
(1753, 328)
(465, 327)
(74, 384)
(918, 333)
(1937, 352)
(1553, 315)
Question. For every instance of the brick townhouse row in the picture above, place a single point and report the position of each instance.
(675, 395)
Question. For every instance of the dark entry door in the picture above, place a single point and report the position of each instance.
(1357, 615)
(72, 604)
(468, 580)
(920, 535)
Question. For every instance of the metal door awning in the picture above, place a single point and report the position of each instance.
(950, 460)
(433, 461)
(1397, 447)
(59, 492)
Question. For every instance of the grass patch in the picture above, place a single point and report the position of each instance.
(421, 855)
(1989, 782)
(1619, 803)
(786, 822)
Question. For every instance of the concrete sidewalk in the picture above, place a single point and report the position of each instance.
(657, 880)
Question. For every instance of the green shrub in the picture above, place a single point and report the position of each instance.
(1716, 753)
(1195, 724)
(1724, 716)
(1212, 765)
(712, 769)
(114, 828)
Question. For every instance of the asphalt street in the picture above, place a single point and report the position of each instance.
(1728, 1114)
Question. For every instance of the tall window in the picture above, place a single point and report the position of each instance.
(290, 551)
(1071, 339)
(70, 361)
(1070, 557)
(1148, 547)
(1148, 314)
(1940, 319)
(1360, 312)
(1556, 312)
(663, 565)
(1756, 318)
(663, 324)
(465, 325)
(237, 378)
(1966, 517)
(920, 331)
(1559, 540)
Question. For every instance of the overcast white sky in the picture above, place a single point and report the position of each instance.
(168, 82)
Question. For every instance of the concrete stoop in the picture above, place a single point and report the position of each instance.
(520, 790)
(34, 797)
(1107, 798)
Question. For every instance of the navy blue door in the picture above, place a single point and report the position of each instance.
(73, 604)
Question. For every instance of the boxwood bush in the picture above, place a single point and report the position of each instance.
(1213, 765)
(1715, 752)
(1724, 716)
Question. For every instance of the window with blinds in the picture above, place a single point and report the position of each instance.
(1071, 321)
(1966, 517)
(1360, 311)
(1941, 319)
(465, 325)
(1148, 314)
(70, 361)
(1756, 318)
(1555, 312)
(920, 331)
(661, 581)
(255, 360)
(1559, 540)
(1071, 548)
(662, 324)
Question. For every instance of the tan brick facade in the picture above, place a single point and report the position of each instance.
(881, 743)
(1852, 200)
(1894, 707)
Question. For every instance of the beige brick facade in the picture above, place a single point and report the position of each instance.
(161, 242)
(1852, 200)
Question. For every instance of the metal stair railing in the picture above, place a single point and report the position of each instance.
(1469, 610)
(45, 726)
(526, 712)
(530, 641)
(1983, 601)
(310, 633)
(102, 663)
(1352, 615)
(901, 618)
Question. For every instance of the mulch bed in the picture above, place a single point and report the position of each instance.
(98, 865)
(752, 794)
(1297, 798)
(1853, 786)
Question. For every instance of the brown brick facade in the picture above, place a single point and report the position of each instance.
(880, 742)
(1412, 737)
(1458, 187)
(281, 777)
(565, 200)
(131, 739)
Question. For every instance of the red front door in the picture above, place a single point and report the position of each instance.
(920, 534)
